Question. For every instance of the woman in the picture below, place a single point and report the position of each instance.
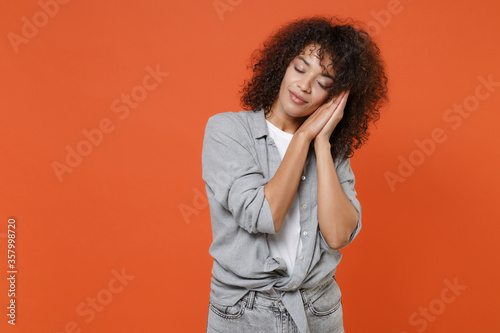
(279, 182)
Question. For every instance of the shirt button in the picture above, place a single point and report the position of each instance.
(303, 177)
(305, 233)
(301, 257)
(304, 206)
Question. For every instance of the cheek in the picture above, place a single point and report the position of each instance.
(319, 99)
(285, 83)
(291, 76)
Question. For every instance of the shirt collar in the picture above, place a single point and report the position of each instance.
(259, 123)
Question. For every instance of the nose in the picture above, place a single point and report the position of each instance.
(305, 83)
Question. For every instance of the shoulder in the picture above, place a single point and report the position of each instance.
(228, 137)
(231, 117)
(231, 123)
(340, 160)
(343, 164)
(221, 119)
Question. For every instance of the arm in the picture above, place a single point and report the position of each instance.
(233, 178)
(281, 189)
(337, 216)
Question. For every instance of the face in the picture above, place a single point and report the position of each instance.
(305, 84)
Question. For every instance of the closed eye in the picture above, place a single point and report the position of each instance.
(298, 70)
(322, 86)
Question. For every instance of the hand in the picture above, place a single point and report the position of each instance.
(317, 120)
(337, 108)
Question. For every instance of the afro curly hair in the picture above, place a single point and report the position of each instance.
(357, 66)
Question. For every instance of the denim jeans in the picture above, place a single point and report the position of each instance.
(264, 312)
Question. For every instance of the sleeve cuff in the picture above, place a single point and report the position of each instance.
(265, 219)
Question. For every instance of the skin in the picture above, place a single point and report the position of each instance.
(313, 121)
(303, 77)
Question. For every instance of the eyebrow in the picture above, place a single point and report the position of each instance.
(325, 75)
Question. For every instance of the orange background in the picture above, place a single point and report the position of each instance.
(120, 206)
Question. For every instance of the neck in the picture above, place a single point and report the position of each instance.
(284, 122)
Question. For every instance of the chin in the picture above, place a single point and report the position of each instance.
(293, 112)
(293, 108)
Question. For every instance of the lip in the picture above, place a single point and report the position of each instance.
(296, 98)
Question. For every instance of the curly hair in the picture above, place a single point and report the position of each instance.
(357, 66)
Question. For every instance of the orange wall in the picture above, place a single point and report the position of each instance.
(116, 210)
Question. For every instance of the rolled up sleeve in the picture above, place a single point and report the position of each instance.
(347, 180)
(232, 175)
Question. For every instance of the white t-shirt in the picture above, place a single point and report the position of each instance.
(286, 243)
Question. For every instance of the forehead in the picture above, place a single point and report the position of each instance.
(310, 53)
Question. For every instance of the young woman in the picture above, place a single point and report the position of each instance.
(279, 182)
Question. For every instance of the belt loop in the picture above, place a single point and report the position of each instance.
(251, 297)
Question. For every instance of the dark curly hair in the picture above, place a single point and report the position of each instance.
(357, 66)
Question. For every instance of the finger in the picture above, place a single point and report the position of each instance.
(344, 98)
(340, 103)
(336, 97)
(337, 101)
(341, 97)
(329, 107)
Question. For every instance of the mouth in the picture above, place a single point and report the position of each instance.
(296, 99)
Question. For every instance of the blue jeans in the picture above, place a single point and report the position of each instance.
(264, 312)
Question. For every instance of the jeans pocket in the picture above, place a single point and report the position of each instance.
(327, 300)
(229, 312)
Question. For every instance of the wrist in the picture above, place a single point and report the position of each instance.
(322, 143)
(303, 138)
